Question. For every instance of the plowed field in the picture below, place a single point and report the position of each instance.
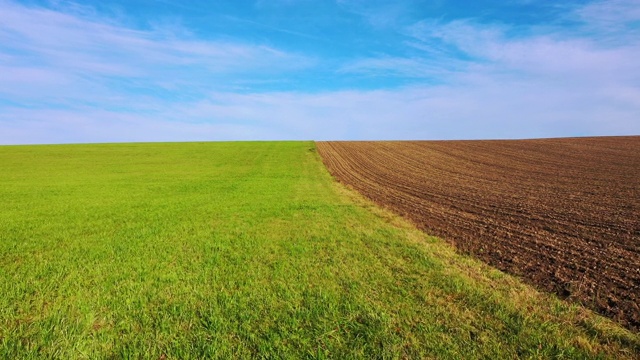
(563, 214)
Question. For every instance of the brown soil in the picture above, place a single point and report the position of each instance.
(563, 214)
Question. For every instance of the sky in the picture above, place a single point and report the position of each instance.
(169, 70)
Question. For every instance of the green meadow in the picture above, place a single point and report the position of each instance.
(247, 250)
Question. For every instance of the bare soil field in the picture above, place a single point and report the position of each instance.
(563, 214)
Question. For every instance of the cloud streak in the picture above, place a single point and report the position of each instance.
(542, 83)
(58, 50)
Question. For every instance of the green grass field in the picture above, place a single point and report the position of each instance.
(246, 250)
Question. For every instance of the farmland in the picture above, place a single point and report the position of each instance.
(247, 250)
(563, 214)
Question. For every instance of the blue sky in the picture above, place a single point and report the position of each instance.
(165, 70)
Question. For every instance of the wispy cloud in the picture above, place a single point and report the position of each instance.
(58, 49)
(509, 83)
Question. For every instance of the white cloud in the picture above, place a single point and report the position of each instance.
(477, 109)
(551, 54)
(536, 84)
(37, 41)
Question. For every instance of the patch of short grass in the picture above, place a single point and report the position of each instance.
(245, 250)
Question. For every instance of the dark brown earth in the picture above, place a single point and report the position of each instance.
(563, 214)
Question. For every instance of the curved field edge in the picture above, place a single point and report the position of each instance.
(244, 250)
